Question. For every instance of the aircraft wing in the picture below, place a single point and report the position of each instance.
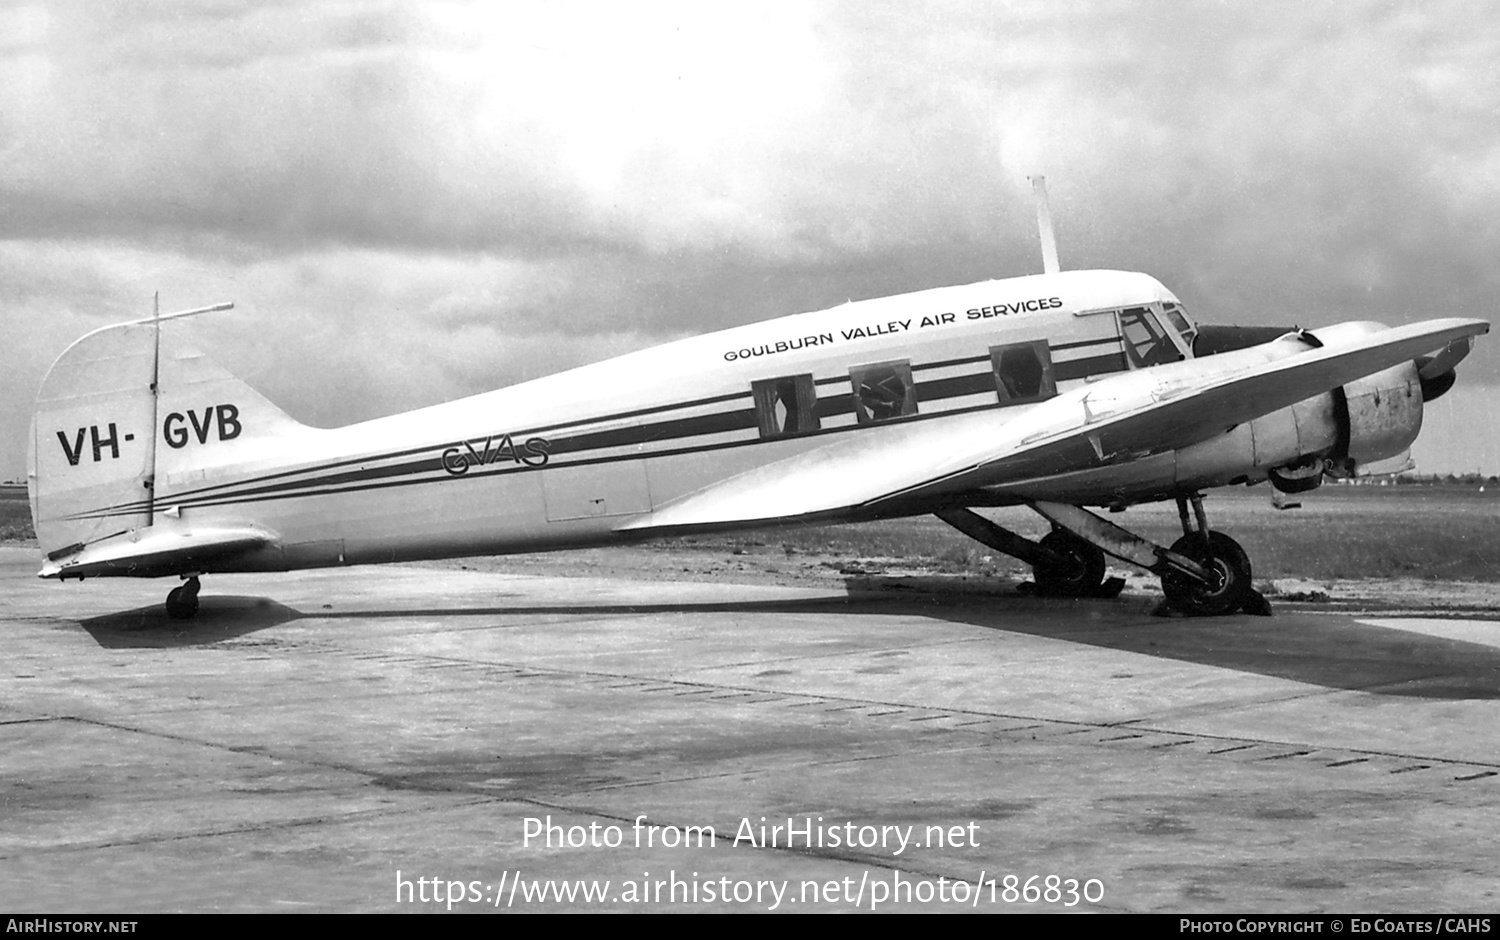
(153, 551)
(1111, 421)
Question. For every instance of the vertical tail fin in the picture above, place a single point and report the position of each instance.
(121, 415)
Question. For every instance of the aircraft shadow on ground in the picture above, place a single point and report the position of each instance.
(1331, 651)
(226, 617)
(1334, 651)
(220, 618)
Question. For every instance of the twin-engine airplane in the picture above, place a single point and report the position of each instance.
(1056, 391)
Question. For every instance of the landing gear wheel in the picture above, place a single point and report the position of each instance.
(1080, 573)
(182, 602)
(1229, 576)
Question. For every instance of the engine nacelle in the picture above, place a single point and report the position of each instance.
(1373, 418)
(1378, 416)
(1369, 420)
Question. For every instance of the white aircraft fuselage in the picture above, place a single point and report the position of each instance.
(641, 444)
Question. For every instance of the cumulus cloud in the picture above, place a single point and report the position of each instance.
(415, 202)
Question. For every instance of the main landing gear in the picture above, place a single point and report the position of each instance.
(1063, 564)
(182, 602)
(1204, 573)
(1224, 585)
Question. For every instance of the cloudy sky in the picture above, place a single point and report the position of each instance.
(411, 202)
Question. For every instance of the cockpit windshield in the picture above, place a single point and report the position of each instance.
(1181, 323)
(1146, 340)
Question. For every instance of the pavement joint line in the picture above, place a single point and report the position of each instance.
(777, 697)
(245, 750)
(1485, 773)
(322, 646)
(1366, 752)
(1230, 704)
(874, 650)
(945, 747)
(326, 818)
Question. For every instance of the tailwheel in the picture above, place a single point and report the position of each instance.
(1078, 573)
(182, 602)
(1229, 578)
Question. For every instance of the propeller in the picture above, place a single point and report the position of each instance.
(1437, 371)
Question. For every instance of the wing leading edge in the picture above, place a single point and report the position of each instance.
(1109, 421)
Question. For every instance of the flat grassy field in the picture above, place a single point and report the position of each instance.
(15, 514)
(1447, 533)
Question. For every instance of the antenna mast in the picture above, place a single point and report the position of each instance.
(156, 320)
(1044, 225)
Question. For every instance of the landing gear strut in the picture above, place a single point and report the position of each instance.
(182, 602)
(1227, 585)
(1063, 564)
(1204, 573)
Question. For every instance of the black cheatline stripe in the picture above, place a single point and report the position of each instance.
(686, 427)
(915, 367)
(689, 427)
(352, 461)
(1088, 342)
(835, 405)
(719, 423)
(704, 448)
(958, 386)
(945, 363)
(695, 426)
(1083, 368)
(722, 422)
(276, 490)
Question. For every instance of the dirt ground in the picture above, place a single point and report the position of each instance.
(1400, 548)
(774, 565)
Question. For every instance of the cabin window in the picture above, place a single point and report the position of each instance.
(785, 406)
(1146, 343)
(883, 390)
(1023, 372)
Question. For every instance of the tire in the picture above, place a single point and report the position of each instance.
(1078, 575)
(1228, 566)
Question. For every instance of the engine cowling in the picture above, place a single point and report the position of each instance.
(1371, 419)
(1368, 420)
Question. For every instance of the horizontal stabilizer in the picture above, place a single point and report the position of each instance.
(1110, 421)
(152, 552)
